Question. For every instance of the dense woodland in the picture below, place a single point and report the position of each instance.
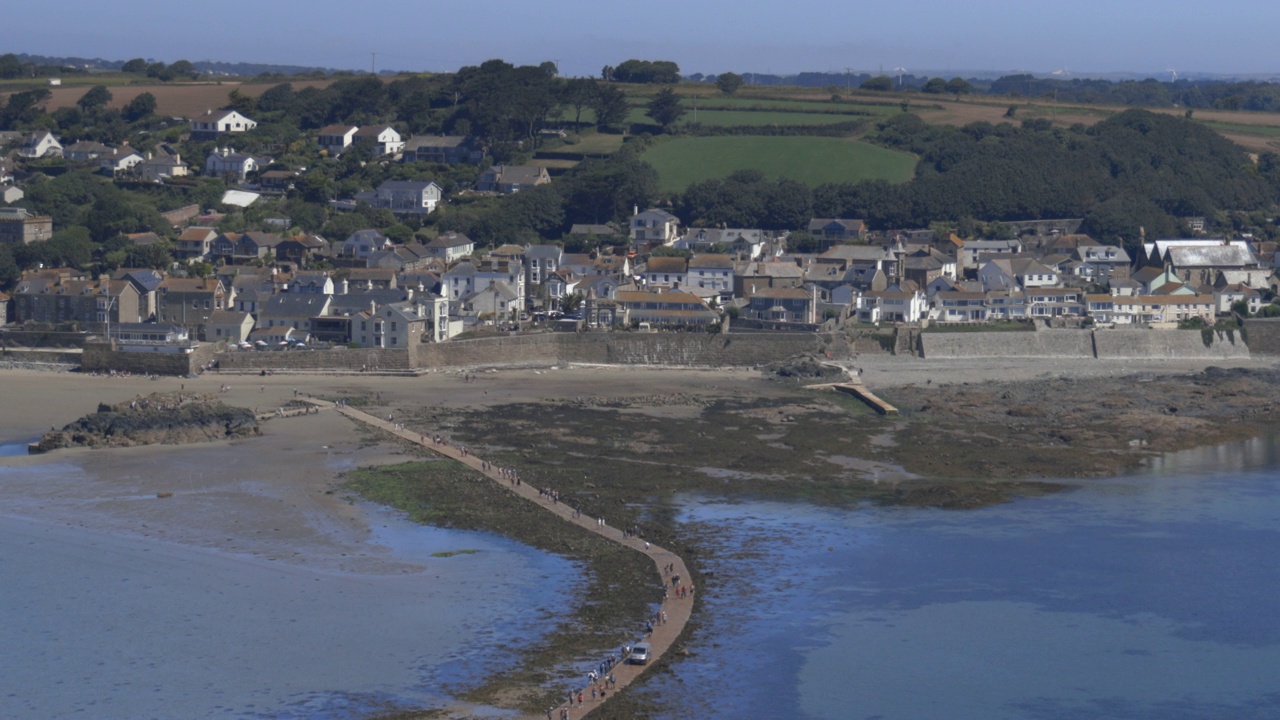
(1134, 170)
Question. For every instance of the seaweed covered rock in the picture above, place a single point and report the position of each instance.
(164, 418)
(805, 367)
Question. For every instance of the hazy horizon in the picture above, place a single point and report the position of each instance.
(1086, 38)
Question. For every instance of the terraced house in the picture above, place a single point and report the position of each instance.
(189, 301)
(668, 308)
(56, 300)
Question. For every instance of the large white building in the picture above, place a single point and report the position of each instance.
(214, 124)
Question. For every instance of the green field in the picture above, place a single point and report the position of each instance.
(749, 118)
(1242, 128)
(722, 102)
(810, 160)
(595, 144)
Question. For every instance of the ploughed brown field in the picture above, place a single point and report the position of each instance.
(177, 100)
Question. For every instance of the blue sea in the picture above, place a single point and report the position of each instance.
(110, 626)
(1152, 596)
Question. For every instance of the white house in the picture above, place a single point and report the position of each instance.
(892, 306)
(336, 138)
(386, 141)
(404, 196)
(1227, 295)
(120, 161)
(226, 121)
(1149, 309)
(655, 226)
(451, 246)
(1005, 273)
(959, 306)
(225, 162)
(670, 272)
(41, 144)
(467, 277)
(711, 271)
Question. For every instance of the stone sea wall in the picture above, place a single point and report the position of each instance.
(104, 357)
(372, 360)
(1137, 344)
(1009, 344)
(1168, 345)
(688, 349)
(1263, 335)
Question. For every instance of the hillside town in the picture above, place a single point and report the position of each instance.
(366, 290)
(273, 285)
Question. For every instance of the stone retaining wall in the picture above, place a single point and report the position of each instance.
(1045, 344)
(103, 357)
(618, 348)
(1263, 335)
(622, 348)
(1168, 345)
(1135, 344)
(62, 357)
(373, 360)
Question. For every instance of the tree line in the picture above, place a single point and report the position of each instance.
(1135, 170)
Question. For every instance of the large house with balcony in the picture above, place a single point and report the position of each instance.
(655, 226)
(385, 139)
(211, 124)
(416, 197)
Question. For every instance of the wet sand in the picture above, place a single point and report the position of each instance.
(300, 509)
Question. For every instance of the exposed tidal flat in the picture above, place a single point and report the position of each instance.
(827, 570)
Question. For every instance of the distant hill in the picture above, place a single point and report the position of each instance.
(211, 67)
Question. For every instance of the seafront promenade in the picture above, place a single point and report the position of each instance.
(667, 564)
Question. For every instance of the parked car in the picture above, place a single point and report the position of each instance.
(640, 654)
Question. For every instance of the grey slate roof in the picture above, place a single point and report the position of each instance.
(294, 305)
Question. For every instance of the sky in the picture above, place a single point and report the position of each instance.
(582, 36)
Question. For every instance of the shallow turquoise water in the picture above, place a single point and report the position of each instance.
(102, 625)
(1145, 596)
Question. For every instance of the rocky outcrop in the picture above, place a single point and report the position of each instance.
(164, 418)
(805, 367)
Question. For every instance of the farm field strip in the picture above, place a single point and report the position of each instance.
(810, 160)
